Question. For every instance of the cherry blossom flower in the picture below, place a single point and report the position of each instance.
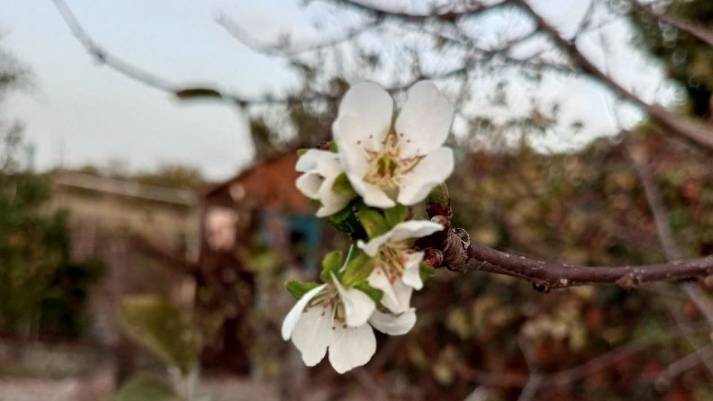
(321, 168)
(331, 317)
(396, 270)
(402, 163)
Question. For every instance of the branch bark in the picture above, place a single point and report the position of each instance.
(453, 249)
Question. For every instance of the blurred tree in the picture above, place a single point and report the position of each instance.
(43, 290)
(172, 176)
(688, 60)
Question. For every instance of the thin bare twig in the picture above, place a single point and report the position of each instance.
(684, 364)
(679, 125)
(288, 49)
(535, 378)
(182, 91)
(671, 250)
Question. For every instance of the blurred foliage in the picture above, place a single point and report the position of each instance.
(162, 328)
(172, 176)
(44, 291)
(146, 388)
(687, 59)
(177, 176)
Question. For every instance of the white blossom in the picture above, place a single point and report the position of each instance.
(402, 163)
(320, 169)
(331, 317)
(396, 269)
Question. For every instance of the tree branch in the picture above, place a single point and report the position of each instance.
(693, 29)
(672, 251)
(435, 15)
(453, 249)
(678, 125)
(286, 50)
(181, 91)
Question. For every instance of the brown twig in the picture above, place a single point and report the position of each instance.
(684, 364)
(458, 253)
(672, 251)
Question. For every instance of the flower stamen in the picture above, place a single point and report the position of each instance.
(387, 166)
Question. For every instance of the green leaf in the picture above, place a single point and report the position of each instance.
(357, 270)
(395, 215)
(146, 388)
(343, 187)
(373, 222)
(333, 146)
(194, 93)
(373, 293)
(331, 264)
(299, 288)
(162, 328)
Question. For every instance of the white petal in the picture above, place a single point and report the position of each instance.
(358, 307)
(424, 120)
(364, 117)
(378, 280)
(373, 195)
(294, 315)
(312, 158)
(331, 206)
(414, 229)
(430, 171)
(355, 163)
(330, 168)
(371, 248)
(314, 333)
(403, 294)
(412, 271)
(309, 184)
(331, 201)
(351, 347)
(394, 325)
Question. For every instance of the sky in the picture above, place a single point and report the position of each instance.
(79, 112)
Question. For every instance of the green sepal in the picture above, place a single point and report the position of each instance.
(343, 187)
(347, 222)
(358, 269)
(395, 215)
(425, 271)
(331, 264)
(333, 147)
(299, 288)
(373, 293)
(197, 93)
(373, 222)
(301, 151)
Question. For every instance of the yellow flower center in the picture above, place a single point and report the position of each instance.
(328, 299)
(391, 260)
(387, 167)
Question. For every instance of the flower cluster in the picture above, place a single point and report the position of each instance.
(366, 185)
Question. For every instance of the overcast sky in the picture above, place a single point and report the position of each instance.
(82, 113)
